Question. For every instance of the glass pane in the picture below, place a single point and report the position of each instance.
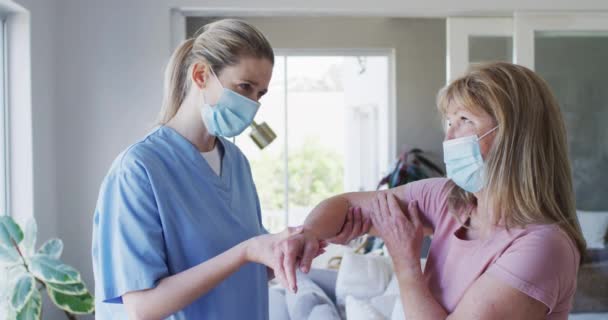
(316, 119)
(575, 66)
(366, 99)
(337, 126)
(4, 276)
(268, 164)
(327, 99)
(3, 136)
(490, 48)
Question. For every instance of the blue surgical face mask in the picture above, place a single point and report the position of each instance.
(464, 163)
(231, 115)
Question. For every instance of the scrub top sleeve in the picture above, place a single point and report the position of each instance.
(131, 250)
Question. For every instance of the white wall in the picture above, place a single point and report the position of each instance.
(97, 69)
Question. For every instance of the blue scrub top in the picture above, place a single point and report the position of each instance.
(162, 210)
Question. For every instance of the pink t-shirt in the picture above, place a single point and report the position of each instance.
(540, 260)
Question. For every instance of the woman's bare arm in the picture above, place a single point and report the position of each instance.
(175, 292)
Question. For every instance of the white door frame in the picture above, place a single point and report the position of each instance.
(18, 143)
(460, 29)
(527, 24)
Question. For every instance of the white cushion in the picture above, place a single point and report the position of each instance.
(385, 304)
(398, 313)
(277, 304)
(362, 276)
(393, 287)
(331, 251)
(358, 309)
(310, 302)
(594, 225)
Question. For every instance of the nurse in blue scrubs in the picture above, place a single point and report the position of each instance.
(177, 227)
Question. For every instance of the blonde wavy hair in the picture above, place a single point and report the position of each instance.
(528, 175)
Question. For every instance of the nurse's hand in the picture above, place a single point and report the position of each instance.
(269, 249)
(356, 225)
(296, 251)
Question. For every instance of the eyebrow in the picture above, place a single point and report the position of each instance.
(461, 110)
(263, 91)
(250, 81)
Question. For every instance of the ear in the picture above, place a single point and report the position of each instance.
(200, 74)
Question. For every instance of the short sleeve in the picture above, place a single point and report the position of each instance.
(128, 244)
(431, 195)
(542, 264)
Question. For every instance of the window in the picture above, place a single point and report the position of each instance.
(3, 176)
(3, 123)
(15, 83)
(331, 117)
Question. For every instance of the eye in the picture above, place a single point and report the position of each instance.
(466, 120)
(245, 86)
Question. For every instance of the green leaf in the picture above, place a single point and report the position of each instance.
(52, 248)
(8, 279)
(16, 271)
(79, 304)
(52, 270)
(29, 240)
(70, 289)
(9, 231)
(9, 257)
(32, 308)
(22, 292)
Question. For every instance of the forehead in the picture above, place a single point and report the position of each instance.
(454, 108)
(248, 68)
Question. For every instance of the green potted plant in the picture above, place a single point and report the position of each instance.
(27, 272)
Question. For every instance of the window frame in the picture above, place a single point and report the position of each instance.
(16, 120)
(4, 116)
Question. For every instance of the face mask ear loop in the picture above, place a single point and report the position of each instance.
(216, 79)
(487, 133)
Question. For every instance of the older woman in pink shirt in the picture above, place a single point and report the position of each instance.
(506, 240)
